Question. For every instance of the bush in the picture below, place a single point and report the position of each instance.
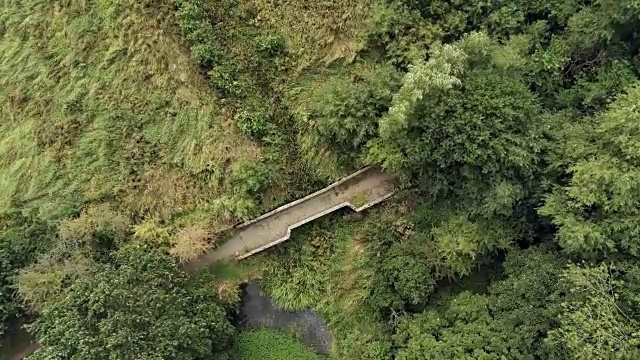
(254, 122)
(271, 345)
(270, 45)
(235, 56)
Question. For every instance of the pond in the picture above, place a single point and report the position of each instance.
(16, 343)
(257, 311)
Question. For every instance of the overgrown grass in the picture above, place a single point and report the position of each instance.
(266, 344)
(316, 32)
(100, 102)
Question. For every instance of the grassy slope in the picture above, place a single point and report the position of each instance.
(316, 31)
(99, 101)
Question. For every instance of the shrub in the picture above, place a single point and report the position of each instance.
(271, 345)
(255, 123)
(190, 242)
(270, 45)
(22, 238)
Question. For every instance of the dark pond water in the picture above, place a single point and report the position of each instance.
(16, 344)
(257, 311)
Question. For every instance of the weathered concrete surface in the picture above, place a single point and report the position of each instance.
(357, 191)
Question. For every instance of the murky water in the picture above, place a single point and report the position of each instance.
(16, 344)
(257, 311)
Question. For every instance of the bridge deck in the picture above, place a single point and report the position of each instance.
(357, 191)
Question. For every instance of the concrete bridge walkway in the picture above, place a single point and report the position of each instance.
(357, 191)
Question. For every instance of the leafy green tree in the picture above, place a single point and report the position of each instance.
(599, 320)
(22, 239)
(453, 19)
(509, 322)
(403, 277)
(464, 123)
(141, 306)
(594, 87)
(598, 210)
(528, 301)
(461, 242)
(462, 331)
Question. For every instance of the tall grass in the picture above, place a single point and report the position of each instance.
(100, 101)
(317, 31)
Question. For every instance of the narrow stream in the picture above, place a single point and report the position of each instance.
(257, 311)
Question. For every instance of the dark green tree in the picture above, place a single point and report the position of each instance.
(403, 277)
(141, 306)
(509, 322)
(599, 320)
(464, 123)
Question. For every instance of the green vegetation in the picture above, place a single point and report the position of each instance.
(133, 133)
(141, 288)
(22, 239)
(101, 104)
(271, 345)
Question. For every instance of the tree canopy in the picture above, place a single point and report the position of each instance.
(140, 306)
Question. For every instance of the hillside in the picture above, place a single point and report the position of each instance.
(101, 101)
(133, 133)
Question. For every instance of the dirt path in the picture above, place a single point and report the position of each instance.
(357, 191)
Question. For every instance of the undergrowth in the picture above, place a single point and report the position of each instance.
(329, 266)
(266, 344)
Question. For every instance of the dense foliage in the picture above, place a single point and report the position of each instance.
(597, 211)
(504, 323)
(22, 238)
(513, 125)
(139, 306)
(133, 132)
(271, 345)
